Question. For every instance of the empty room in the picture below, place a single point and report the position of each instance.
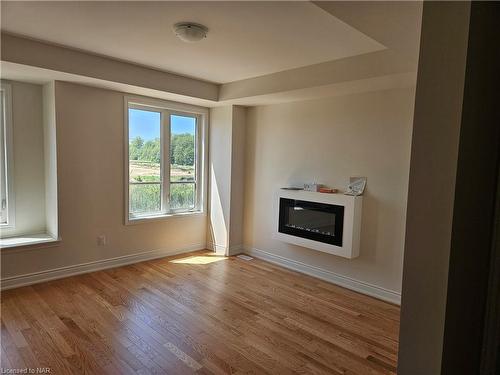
(249, 187)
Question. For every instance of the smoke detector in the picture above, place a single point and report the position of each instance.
(190, 32)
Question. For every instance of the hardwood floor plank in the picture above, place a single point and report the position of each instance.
(113, 344)
(179, 317)
(4, 359)
(10, 353)
(197, 313)
(364, 356)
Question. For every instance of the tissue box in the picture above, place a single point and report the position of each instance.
(312, 187)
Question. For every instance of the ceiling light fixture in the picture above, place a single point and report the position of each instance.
(190, 32)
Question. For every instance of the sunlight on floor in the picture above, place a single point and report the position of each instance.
(200, 259)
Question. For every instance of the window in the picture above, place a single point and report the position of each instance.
(164, 160)
(6, 186)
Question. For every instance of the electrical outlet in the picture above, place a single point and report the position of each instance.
(101, 240)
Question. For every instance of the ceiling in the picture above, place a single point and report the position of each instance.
(246, 39)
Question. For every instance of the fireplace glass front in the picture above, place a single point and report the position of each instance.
(312, 220)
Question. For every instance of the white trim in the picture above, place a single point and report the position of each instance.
(332, 277)
(32, 247)
(8, 140)
(165, 104)
(226, 250)
(126, 162)
(172, 216)
(221, 249)
(235, 250)
(167, 108)
(27, 241)
(58, 273)
(165, 156)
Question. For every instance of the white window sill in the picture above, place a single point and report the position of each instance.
(35, 240)
(178, 215)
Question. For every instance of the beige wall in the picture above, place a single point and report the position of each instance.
(327, 141)
(226, 154)
(50, 156)
(90, 173)
(435, 144)
(221, 125)
(29, 182)
(237, 179)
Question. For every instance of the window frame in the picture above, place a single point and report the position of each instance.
(167, 108)
(8, 149)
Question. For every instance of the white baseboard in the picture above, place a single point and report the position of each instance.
(226, 250)
(58, 273)
(332, 277)
(217, 248)
(235, 250)
(77, 269)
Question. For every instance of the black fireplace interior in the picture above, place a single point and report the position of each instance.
(315, 221)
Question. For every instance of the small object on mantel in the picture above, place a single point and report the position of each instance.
(312, 187)
(356, 186)
(292, 188)
(327, 190)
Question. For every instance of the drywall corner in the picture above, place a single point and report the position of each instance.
(50, 158)
(226, 161)
(237, 179)
(220, 177)
(433, 169)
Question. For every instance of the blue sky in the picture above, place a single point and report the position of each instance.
(146, 124)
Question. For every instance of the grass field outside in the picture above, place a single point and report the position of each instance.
(146, 198)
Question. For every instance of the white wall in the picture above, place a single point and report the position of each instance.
(90, 168)
(28, 175)
(237, 178)
(50, 158)
(226, 154)
(327, 141)
(221, 125)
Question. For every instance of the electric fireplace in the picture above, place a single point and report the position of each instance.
(312, 220)
(330, 223)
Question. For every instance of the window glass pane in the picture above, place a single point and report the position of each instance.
(182, 196)
(144, 161)
(144, 146)
(182, 148)
(145, 198)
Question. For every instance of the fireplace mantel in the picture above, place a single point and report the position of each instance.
(350, 223)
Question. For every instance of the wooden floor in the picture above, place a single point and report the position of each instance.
(197, 313)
